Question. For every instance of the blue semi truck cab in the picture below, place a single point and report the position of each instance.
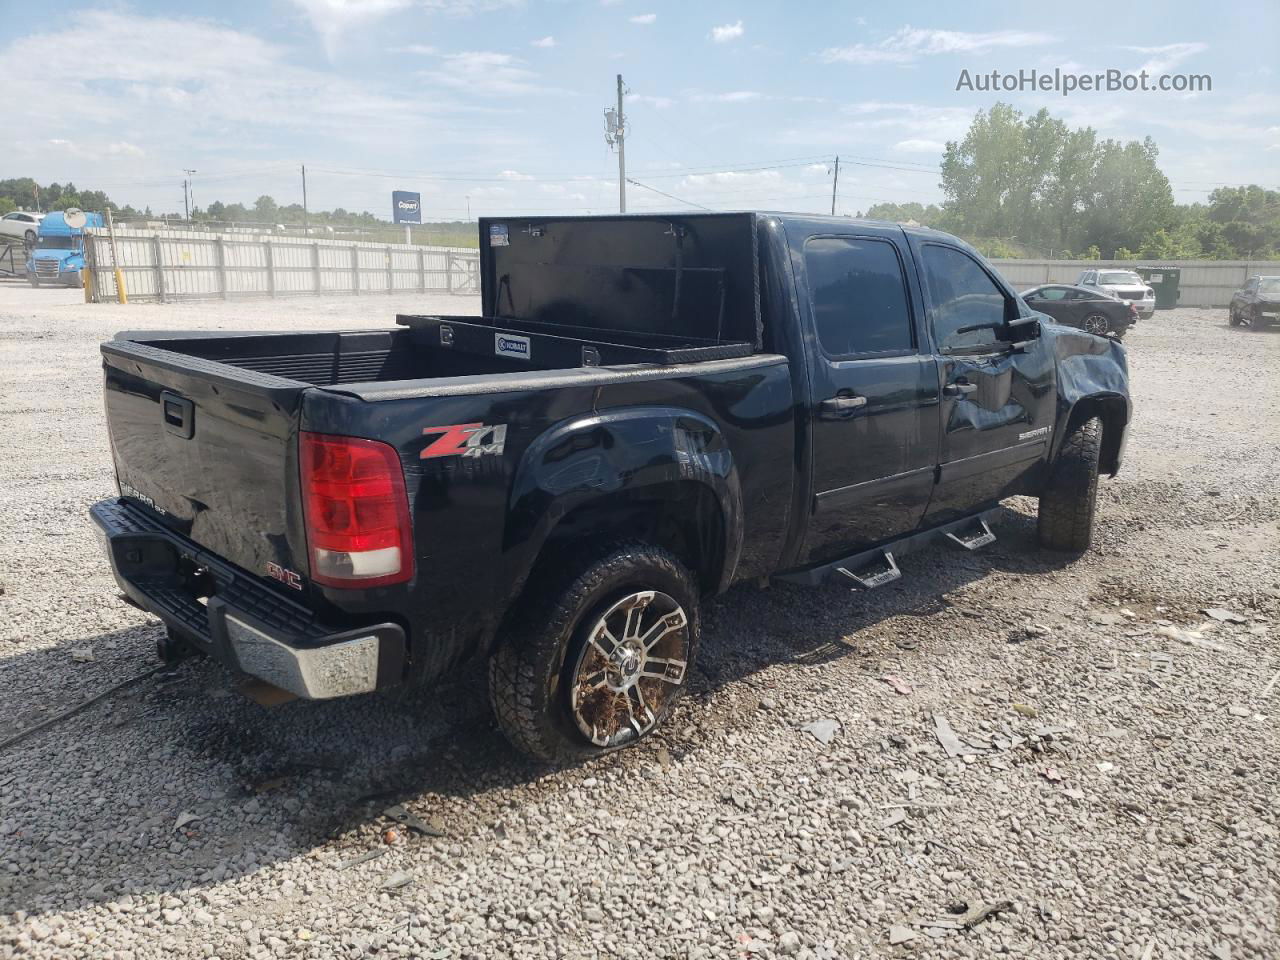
(58, 256)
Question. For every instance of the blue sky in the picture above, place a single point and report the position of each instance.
(731, 104)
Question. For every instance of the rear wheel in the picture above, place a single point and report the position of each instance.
(1097, 323)
(1069, 499)
(599, 657)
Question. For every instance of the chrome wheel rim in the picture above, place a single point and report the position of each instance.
(1095, 323)
(632, 664)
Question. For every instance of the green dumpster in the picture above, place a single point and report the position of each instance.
(1164, 281)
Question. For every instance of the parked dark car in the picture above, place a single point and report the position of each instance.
(649, 409)
(1088, 309)
(1257, 304)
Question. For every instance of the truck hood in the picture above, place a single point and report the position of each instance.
(61, 256)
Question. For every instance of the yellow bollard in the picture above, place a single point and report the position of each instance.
(86, 281)
(120, 291)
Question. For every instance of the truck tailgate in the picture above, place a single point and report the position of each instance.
(213, 450)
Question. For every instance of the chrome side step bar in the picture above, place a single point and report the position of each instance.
(869, 582)
(971, 533)
(974, 539)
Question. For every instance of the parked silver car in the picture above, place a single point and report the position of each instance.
(1124, 284)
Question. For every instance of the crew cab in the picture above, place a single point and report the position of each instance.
(649, 410)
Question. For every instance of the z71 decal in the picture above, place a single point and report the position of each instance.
(465, 440)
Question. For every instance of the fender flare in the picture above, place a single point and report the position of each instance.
(618, 452)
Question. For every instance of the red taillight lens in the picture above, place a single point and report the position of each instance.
(356, 510)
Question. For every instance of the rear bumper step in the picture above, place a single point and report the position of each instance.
(969, 532)
(226, 613)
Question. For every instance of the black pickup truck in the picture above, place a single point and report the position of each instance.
(648, 410)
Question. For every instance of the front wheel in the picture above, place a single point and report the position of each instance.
(1069, 499)
(1233, 319)
(597, 659)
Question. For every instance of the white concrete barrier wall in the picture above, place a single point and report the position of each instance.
(183, 265)
(180, 265)
(1204, 283)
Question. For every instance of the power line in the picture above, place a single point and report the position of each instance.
(645, 186)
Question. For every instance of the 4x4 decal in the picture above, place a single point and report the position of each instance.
(466, 440)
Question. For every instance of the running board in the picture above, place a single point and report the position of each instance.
(869, 582)
(970, 532)
(973, 539)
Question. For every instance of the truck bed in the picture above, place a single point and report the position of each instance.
(433, 348)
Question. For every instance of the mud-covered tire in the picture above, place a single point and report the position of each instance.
(1233, 319)
(1068, 501)
(532, 671)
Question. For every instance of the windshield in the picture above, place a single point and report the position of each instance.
(1120, 276)
(56, 243)
(1270, 288)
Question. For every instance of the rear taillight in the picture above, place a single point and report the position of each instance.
(356, 511)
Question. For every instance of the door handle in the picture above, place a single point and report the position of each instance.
(961, 388)
(842, 404)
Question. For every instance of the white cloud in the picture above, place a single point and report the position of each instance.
(485, 72)
(1163, 59)
(733, 96)
(514, 175)
(919, 146)
(122, 148)
(422, 49)
(909, 44)
(660, 103)
(331, 19)
(644, 19)
(545, 42)
(728, 32)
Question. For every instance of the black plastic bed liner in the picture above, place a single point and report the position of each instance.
(548, 345)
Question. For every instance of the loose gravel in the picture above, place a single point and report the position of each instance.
(1112, 793)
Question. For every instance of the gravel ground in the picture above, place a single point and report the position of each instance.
(1115, 793)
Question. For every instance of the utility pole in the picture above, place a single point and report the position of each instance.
(835, 182)
(187, 199)
(615, 135)
(305, 231)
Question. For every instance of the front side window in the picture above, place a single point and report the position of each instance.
(859, 296)
(962, 295)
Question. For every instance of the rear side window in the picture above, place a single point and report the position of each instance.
(1052, 293)
(962, 295)
(859, 296)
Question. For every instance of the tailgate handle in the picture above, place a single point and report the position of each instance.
(178, 414)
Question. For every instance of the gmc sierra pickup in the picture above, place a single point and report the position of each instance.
(649, 409)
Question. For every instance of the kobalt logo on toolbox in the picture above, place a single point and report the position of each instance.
(511, 345)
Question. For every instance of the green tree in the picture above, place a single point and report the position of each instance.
(265, 209)
(902, 212)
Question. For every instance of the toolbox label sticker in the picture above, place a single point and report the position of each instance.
(499, 236)
(511, 345)
(465, 440)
